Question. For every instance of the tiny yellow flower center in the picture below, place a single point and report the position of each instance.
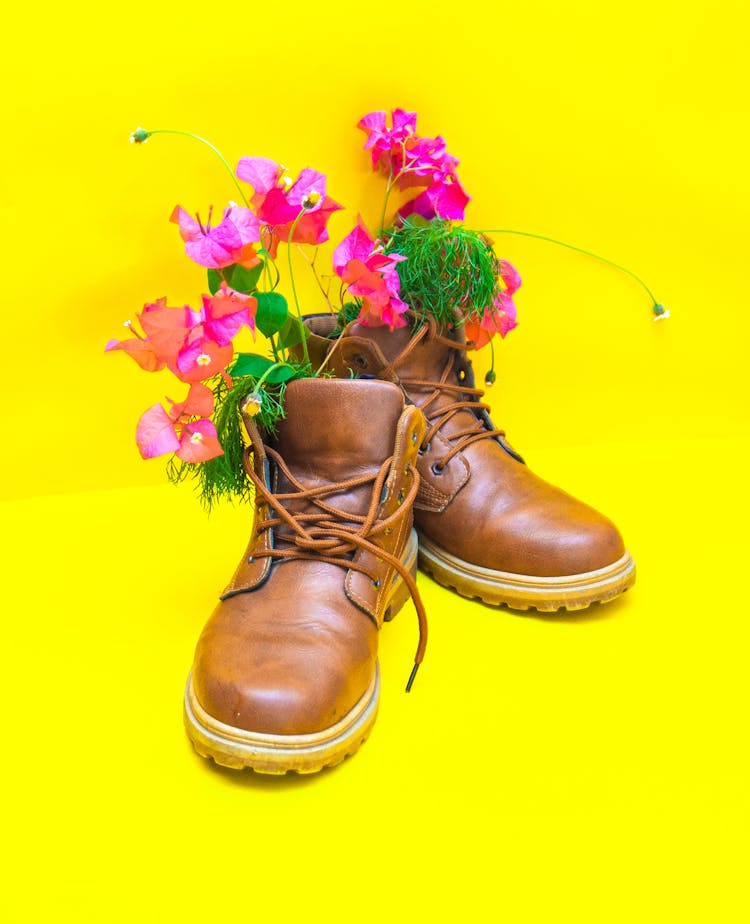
(310, 200)
(252, 404)
(203, 360)
(286, 181)
(196, 438)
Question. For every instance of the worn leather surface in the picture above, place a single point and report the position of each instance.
(484, 506)
(291, 647)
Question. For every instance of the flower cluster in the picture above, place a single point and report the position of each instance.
(412, 161)
(371, 275)
(195, 346)
(240, 251)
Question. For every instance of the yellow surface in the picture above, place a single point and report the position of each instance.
(586, 769)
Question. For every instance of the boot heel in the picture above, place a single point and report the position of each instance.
(401, 592)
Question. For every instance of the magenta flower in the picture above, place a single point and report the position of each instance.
(413, 161)
(388, 144)
(229, 242)
(510, 276)
(499, 318)
(444, 198)
(371, 276)
(282, 203)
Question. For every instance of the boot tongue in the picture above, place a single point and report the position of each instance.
(335, 430)
(426, 362)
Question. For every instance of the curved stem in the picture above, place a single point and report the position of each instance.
(588, 253)
(217, 152)
(388, 188)
(261, 380)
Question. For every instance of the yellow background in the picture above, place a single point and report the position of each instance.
(591, 768)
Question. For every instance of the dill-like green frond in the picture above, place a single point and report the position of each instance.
(450, 271)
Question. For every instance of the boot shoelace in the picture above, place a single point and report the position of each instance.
(331, 535)
(437, 418)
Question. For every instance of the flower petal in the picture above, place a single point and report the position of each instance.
(260, 172)
(198, 442)
(155, 433)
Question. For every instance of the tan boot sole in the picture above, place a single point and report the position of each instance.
(277, 754)
(526, 591)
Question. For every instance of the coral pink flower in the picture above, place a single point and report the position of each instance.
(159, 432)
(499, 318)
(195, 345)
(371, 276)
(229, 242)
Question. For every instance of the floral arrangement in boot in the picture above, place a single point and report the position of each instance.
(424, 261)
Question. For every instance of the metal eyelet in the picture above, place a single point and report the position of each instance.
(414, 438)
(401, 496)
(423, 449)
(437, 469)
(376, 583)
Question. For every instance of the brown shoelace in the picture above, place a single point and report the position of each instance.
(331, 535)
(437, 418)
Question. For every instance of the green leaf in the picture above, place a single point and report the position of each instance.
(214, 281)
(271, 314)
(242, 279)
(250, 364)
(292, 333)
(254, 365)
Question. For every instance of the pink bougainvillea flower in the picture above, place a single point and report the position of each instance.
(140, 349)
(387, 144)
(165, 328)
(510, 276)
(415, 161)
(225, 313)
(198, 442)
(165, 332)
(371, 276)
(159, 433)
(155, 433)
(444, 198)
(201, 358)
(199, 403)
(499, 318)
(283, 203)
(231, 241)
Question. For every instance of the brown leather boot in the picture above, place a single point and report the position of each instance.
(285, 675)
(488, 527)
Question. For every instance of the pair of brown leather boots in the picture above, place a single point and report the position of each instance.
(393, 460)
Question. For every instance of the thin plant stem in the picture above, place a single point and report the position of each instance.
(217, 152)
(588, 253)
(294, 287)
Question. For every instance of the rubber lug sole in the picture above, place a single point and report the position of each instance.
(523, 592)
(238, 749)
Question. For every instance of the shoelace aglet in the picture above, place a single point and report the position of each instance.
(411, 677)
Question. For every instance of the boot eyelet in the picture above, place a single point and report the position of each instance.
(376, 583)
(413, 438)
(423, 449)
(401, 496)
(437, 469)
